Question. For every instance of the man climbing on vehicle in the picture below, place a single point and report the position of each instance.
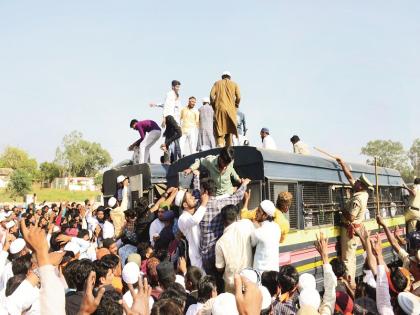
(353, 216)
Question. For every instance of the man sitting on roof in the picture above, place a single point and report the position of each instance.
(220, 168)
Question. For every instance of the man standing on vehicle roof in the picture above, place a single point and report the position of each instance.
(225, 98)
(352, 217)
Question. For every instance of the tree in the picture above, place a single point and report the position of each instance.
(98, 179)
(20, 183)
(414, 156)
(49, 170)
(389, 154)
(16, 158)
(80, 157)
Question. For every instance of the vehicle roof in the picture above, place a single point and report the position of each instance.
(152, 174)
(259, 164)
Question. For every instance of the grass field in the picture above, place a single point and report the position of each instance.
(50, 194)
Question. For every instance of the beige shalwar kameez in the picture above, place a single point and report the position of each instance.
(225, 98)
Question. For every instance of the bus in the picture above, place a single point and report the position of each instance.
(319, 188)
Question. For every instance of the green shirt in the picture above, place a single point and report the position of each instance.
(223, 180)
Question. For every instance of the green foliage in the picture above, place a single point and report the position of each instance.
(53, 195)
(98, 179)
(16, 158)
(389, 154)
(414, 156)
(20, 183)
(49, 170)
(80, 157)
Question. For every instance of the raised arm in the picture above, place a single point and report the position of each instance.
(412, 192)
(346, 170)
(330, 280)
(364, 236)
(390, 237)
(170, 193)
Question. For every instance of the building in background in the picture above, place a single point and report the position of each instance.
(5, 176)
(74, 183)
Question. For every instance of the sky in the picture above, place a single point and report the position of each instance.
(337, 73)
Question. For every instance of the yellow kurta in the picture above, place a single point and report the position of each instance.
(225, 98)
(279, 218)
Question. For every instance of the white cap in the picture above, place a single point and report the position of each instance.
(206, 100)
(268, 207)
(181, 280)
(310, 297)
(121, 178)
(409, 303)
(226, 73)
(224, 303)
(72, 247)
(179, 197)
(17, 245)
(252, 275)
(131, 273)
(306, 281)
(266, 297)
(10, 224)
(112, 202)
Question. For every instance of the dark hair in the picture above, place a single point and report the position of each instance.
(111, 259)
(363, 289)
(82, 233)
(109, 304)
(416, 180)
(130, 213)
(68, 256)
(288, 278)
(13, 283)
(22, 264)
(194, 275)
(76, 273)
(100, 208)
(166, 307)
(398, 280)
(294, 139)
(161, 254)
(192, 98)
(205, 288)
(175, 83)
(176, 293)
(226, 154)
(338, 267)
(142, 249)
(101, 269)
(209, 185)
(269, 280)
(224, 76)
(132, 122)
(86, 202)
(108, 242)
(54, 244)
(229, 214)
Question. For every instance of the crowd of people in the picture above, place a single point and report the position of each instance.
(217, 123)
(196, 251)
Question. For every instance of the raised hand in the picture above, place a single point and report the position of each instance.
(321, 245)
(248, 296)
(140, 299)
(89, 302)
